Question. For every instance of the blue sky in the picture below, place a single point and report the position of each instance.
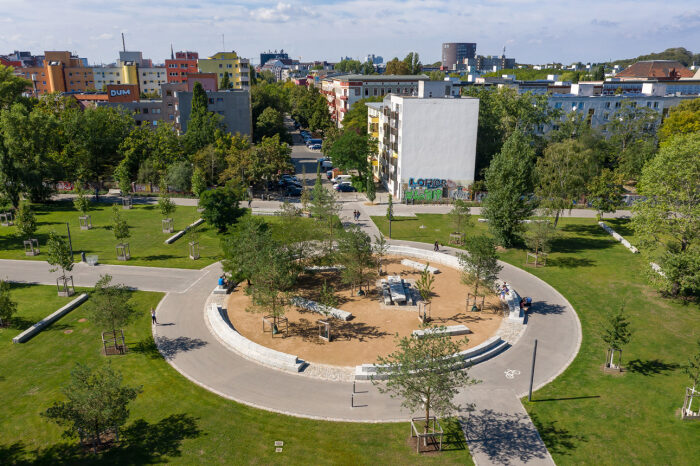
(532, 31)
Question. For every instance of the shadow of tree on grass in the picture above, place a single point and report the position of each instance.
(649, 367)
(167, 347)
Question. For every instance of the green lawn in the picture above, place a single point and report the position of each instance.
(585, 416)
(146, 241)
(173, 420)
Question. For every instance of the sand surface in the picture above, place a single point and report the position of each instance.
(371, 332)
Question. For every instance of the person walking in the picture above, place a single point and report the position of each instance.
(436, 246)
(250, 202)
(153, 317)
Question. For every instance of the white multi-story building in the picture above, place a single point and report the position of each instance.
(343, 91)
(151, 78)
(426, 143)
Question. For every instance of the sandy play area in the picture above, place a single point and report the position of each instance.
(371, 332)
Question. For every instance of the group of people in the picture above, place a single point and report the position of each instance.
(224, 282)
(356, 215)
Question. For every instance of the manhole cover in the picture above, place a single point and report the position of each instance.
(82, 320)
(279, 443)
(278, 450)
(67, 331)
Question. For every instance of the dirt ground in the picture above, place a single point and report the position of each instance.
(371, 332)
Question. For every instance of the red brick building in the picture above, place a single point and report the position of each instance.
(180, 65)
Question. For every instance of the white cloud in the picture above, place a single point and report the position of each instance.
(103, 36)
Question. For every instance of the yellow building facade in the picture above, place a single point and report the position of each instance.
(238, 68)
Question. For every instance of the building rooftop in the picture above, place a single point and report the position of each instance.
(655, 69)
(383, 77)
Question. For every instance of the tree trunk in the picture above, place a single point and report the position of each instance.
(556, 219)
(427, 414)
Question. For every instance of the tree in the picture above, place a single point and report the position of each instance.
(121, 175)
(11, 86)
(683, 118)
(269, 123)
(198, 182)
(666, 223)
(632, 139)
(355, 119)
(480, 264)
(563, 174)
(510, 183)
(98, 402)
(396, 66)
(422, 372)
(605, 192)
(120, 227)
(538, 238)
(368, 68)
(324, 208)
(59, 254)
(380, 248)
(320, 117)
(165, 202)
(355, 250)
(8, 307)
(692, 368)
(351, 152)
(81, 201)
(111, 305)
(371, 188)
(221, 207)
(349, 66)
(459, 215)
(225, 82)
(390, 208)
(26, 221)
(599, 73)
(412, 61)
(616, 334)
(241, 245)
(203, 125)
(425, 288)
(436, 76)
(179, 176)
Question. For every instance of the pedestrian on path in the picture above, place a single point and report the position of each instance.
(153, 317)
(436, 246)
(250, 202)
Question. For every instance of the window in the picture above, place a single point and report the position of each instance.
(172, 117)
(170, 105)
(618, 104)
(649, 104)
(169, 93)
(229, 65)
(183, 65)
(607, 104)
(211, 100)
(145, 110)
(155, 122)
(557, 105)
(375, 91)
(221, 65)
(366, 91)
(606, 116)
(219, 99)
(357, 91)
(656, 105)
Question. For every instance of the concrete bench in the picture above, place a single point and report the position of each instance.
(418, 266)
(452, 330)
(320, 308)
(50, 319)
(324, 268)
(258, 353)
(618, 237)
(179, 234)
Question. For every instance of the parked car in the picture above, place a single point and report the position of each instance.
(342, 179)
(293, 191)
(287, 183)
(344, 188)
(314, 141)
(315, 147)
(326, 164)
(289, 177)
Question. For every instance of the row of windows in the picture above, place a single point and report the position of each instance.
(580, 105)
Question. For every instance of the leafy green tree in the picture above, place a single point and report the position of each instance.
(165, 202)
(81, 201)
(320, 117)
(691, 368)
(356, 118)
(198, 182)
(616, 334)
(666, 223)
(8, 307)
(436, 76)
(599, 73)
(26, 220)
(120, 227)
(179, 176)
(605, 192)
(225, 82)
(270, 123)
(110, 305)
(221, 207)
(683, 118)
(121, 176)
(539, 237)
(412, 61)
(459, 215)
(633, 140)
(214, 158)
(371, 190)
(327, 298)
(510, 183)
(351, 152)
(325, 208)
(367, 68)
(480, 263)
(355, 250)
(265, 96)
(380, 249)
(203, 125)
(422, 372)
(563, 174)
(396, 66)
(11, 87)
(241, 245)
(59, 255)
(348, 66)
(98, 402)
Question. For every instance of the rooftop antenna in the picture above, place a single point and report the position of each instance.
(172, 54)
(123, 43)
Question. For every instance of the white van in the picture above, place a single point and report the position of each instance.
(342, 179)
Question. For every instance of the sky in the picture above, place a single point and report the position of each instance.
(538, 31)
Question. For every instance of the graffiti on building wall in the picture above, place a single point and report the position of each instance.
(459, 192)
(426, 183)
(418, 194)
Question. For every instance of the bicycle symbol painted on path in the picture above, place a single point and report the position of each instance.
(511, 373)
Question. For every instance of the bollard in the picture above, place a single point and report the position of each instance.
(352, 400)
(353, 387)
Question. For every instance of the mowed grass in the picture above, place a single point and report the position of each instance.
(172, 420)
(586, 416)
(147, 241)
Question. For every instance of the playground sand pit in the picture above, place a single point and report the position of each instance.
(371, 332)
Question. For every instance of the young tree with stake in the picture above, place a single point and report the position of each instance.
(59, 256)
(111, 305)
(616, 334)
(480, 264)
(8, 307)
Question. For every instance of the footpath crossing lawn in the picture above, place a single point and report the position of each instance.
(173, 420)
(585, 416)
(146, 242)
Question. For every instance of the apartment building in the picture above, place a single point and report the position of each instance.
(426, 144)
(238, 68)
(233, 105)
(180, 65)
(343, 91)
(131, 68)
(60, 71)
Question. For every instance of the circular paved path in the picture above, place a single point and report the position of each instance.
(189, 346)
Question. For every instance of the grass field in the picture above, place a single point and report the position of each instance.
(585, 416)
(146, 241)
(173, 420)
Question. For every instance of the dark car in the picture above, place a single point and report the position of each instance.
(345, 188)
(293, 191)
(286, 183)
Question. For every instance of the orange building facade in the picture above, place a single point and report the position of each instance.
(61, 72)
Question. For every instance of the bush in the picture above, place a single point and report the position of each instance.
(220, 207)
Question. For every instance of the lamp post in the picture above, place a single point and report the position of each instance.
(70, 243)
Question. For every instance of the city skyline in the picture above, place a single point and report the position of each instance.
(532, 32)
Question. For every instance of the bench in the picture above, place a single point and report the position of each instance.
(418, 266)
(50, 319)
(179, 234)
(618, 237)
(452, 330)
(258, 353)
(320, 308)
